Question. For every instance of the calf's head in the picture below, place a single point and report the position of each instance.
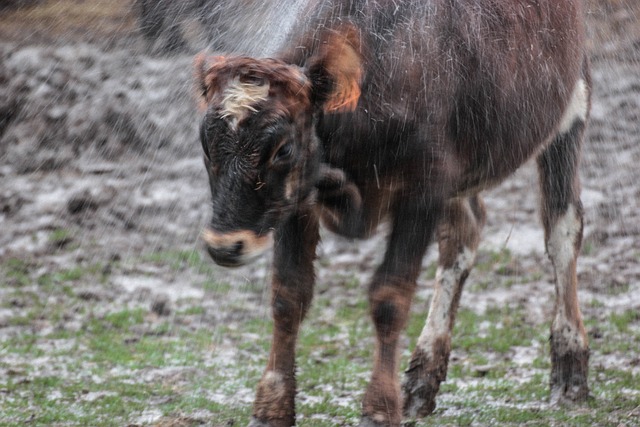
(260, 147)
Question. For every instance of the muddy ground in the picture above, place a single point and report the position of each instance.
(100, 165)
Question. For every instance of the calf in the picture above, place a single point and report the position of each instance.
(398, 110)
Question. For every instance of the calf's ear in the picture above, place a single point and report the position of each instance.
(205, 78)
(336, 71)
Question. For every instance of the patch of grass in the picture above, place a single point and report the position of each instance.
(617, 288)
(195, 310)
(123, 319)
(493, 260)
(498, 330)
(499, 269)
(622, 320)
(73, 402)
(102, 378)
(216, 287)
(588, 247)
(595, 303)
(512, 403)
(15, 272)
(124, 338)
(60, 237)
(124, 361)
(64, 279)
(180, 260)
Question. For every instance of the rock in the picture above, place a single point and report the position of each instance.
(81, 202)
(482, 370)
(11, 204)
(161, 305)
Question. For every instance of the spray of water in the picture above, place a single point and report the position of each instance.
(98, 136)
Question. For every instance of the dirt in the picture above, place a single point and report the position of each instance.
(98, 138)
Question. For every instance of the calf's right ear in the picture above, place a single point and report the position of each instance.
(205, 78)
(336, 71)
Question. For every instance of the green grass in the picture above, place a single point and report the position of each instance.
(60, 237)
(623, 320)
(15, 272)
(122, 360)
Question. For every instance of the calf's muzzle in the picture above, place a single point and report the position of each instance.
(235, 248)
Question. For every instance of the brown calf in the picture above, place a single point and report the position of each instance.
(398, 110)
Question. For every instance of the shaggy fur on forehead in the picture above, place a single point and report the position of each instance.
(240, 98)
(237, 86)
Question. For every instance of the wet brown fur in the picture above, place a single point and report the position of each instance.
(401, 111)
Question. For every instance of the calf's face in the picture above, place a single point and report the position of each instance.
(260, 148)
(260, 152)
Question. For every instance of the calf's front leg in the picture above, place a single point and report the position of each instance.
(292, 290)
(390, 295)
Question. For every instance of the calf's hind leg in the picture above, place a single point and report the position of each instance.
(562, 219)
(458, 238)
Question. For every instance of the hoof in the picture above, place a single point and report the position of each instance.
(368, 422)
(421, 385)
(419, 398)
(568, 395)
(257, 423)
(569, 378)
(273, 423)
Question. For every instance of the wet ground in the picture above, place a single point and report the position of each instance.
(100, 165)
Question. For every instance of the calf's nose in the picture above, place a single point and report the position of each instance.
(235, 248)
(227, 256)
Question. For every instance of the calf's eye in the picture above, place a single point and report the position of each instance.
(283, 153)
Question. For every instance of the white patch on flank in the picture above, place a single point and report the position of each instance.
(578, 107)
(447, 281)
(240, 98)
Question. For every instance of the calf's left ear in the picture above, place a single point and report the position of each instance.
(336, 71)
